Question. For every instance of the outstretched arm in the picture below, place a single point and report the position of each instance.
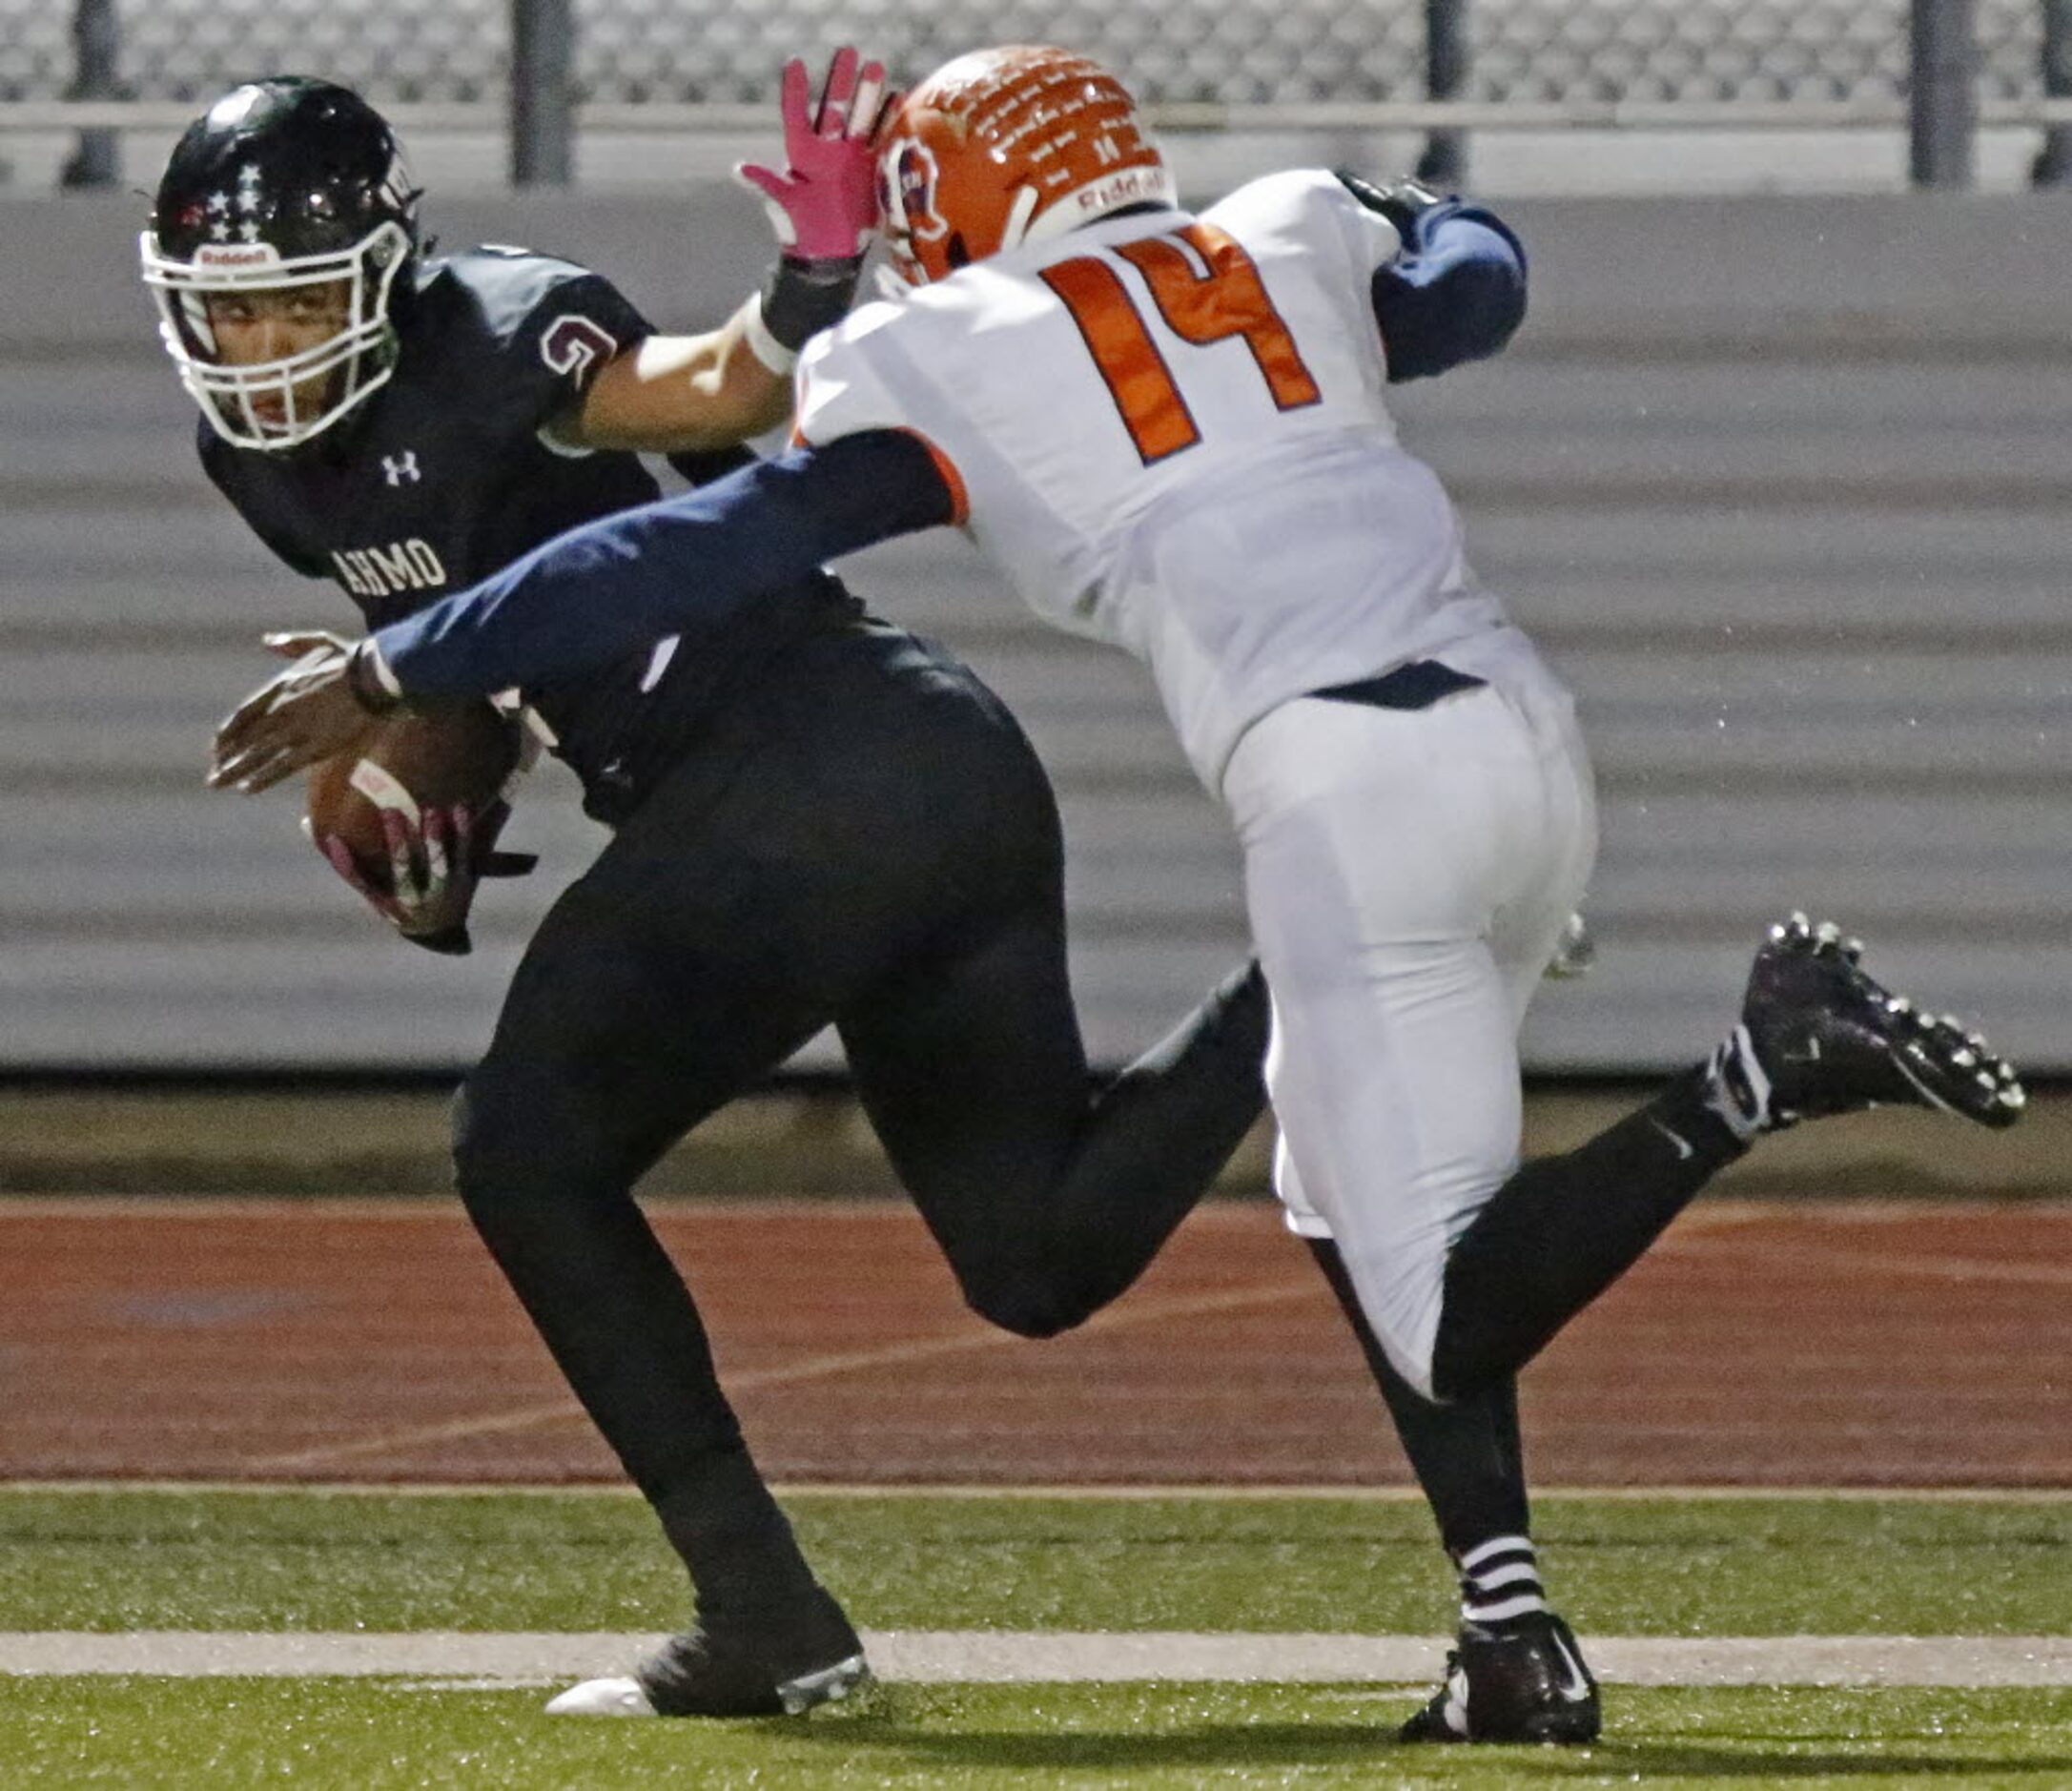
(672, 394)
(597, 593)
(680, 394)
(604, 589)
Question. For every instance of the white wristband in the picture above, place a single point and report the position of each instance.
(384, 674)
(765, 346)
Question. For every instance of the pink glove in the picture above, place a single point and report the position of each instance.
(824, 205)
(433, 869)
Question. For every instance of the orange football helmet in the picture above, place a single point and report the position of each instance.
(1008, 146)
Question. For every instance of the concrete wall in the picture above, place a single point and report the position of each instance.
(1783, 486)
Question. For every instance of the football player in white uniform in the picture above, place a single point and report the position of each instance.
(1170, 431)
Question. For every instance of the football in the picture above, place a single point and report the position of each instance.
(411, 761)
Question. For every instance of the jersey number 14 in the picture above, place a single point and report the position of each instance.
(1229, 299)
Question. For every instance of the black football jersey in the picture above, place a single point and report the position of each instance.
(446, 474)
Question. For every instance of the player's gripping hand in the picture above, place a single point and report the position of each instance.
(323, 705)
(824, 204)
(1575, 952)
(434, 868)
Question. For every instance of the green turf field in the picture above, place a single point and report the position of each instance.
(112, 1560)
(339, 1561)
(370, 1737)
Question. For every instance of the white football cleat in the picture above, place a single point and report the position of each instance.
(602, 1697)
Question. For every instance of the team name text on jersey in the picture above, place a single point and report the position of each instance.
(412, 565)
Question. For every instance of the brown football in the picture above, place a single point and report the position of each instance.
(413, 760)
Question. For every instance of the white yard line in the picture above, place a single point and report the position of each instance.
(1004, 1656)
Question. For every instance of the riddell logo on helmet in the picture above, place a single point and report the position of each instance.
(236, 254)
(1126, 188)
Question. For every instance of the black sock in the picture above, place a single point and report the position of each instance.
(1564, 1228)
(1467, 1455)
(744, 1560)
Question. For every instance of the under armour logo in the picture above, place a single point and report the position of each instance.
(402, 469)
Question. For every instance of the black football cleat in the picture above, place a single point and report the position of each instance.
(1819, 1037)
(777, 1668)
(1528, 1684)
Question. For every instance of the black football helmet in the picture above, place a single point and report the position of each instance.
(283, 182)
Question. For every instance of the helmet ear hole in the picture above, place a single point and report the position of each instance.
(954, 252)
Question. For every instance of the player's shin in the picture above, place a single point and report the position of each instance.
(1467, 1455)
(744, 1560)
(1562, 1229)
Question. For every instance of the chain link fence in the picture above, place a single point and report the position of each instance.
(1226, 52)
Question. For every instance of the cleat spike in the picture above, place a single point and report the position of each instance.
(1818, 1036)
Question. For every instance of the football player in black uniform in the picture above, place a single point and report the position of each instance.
(819, 819)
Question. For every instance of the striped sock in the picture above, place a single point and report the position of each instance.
(1500, 1583)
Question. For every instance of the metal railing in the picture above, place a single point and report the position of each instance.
(2053, 166)
(566, 66)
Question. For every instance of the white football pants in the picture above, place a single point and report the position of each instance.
(1409, 874)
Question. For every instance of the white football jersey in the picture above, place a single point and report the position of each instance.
(1170, 433)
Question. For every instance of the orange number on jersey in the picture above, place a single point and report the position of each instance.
(1228, 300)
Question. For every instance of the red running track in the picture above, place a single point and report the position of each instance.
(1771, 1344)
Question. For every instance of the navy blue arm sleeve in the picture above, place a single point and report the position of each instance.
(1455, 293)
(610, 588)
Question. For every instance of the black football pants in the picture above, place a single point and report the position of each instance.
(871, 844)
